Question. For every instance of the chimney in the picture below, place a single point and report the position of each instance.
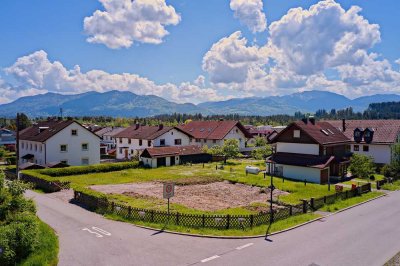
(343, 125)
(305, 120)
(160, 126)
(137, 125)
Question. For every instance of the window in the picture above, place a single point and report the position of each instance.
(198, 140)
(162, 142)
(129, 141)
(237, 131)
(22, 144)
(140, 142)
(40, 148)
(30, 146)
(63, 148)
(214, 141)
(85, 161)
(74, 132)
(366, 148)
(35, 147)
(172, 132)
(64, 161)
(120, 150)
(178, 142)
(356, 148)
(85, 146)
(120, 140)
(149, 143)
(296, 133)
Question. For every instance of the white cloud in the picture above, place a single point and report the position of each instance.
(230, 60)
(324, 36)
(250, 13)
(124, 22)
(38, 73)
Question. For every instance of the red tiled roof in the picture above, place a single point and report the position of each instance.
(321, 132)
(49, 129)
(304, 160)
(385, 131)
(172, 150)
(143, 132)
(212, 129)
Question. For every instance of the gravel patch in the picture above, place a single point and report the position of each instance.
(207, 197)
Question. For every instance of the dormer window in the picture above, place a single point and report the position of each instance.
(358, 134)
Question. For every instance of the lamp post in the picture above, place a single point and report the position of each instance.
(17, 147)
(271, 188)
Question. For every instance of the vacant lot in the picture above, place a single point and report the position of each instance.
(208, 197)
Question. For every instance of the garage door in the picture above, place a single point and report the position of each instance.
(161, 162)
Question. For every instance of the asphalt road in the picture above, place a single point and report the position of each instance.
(366, 235)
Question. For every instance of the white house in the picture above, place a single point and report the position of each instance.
(213, 133)
(64, 141)
(375, 138)
(107, 138)
(134, 139)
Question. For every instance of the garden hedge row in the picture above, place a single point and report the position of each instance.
(81, 170)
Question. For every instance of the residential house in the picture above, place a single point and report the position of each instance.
(64, 141)
(133, 140)
(107, 138)
(375, 138)
(309, 150)
(213, 133)
(173, 155)
(7, 138)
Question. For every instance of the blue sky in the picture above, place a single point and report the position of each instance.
(182, 66)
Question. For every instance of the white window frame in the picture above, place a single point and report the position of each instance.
(66, 147)
(87, 146)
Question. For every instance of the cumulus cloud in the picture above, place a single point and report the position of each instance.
(124, 22)
(250, 13)
(38, 73)
(302, 47)
(230, 60)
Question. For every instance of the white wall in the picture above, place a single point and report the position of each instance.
(300, 173)
(75, 154)
(312, 149)
(235, 133)
(380, 153)
(134, 146)
(32, 147)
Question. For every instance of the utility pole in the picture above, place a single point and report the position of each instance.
(17, 148)
(272, 188)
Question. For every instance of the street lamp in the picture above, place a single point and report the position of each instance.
(271, 189)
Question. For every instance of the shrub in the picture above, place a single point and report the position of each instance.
(361, 166)
(81, 170)
(386, 170)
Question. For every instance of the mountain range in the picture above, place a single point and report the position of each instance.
(127, 104)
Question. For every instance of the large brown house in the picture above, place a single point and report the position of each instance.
(309, 150)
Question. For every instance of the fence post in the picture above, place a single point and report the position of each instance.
(369, 187)
(177, 218)
(312, 203)
(203, 220)
(324, 199)
(304, 206)
(378, 185)
(152, 216)
(251, 220)
(227, 221)
(347, 194)
(290, 210)
(129, 211)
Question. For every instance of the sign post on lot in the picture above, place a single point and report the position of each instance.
(168, 192)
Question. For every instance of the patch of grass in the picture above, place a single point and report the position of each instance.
(47, 251)
(392, 187)
(341, 204)
(259, 230)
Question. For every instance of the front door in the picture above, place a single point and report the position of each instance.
(126, 153)
(172, 160)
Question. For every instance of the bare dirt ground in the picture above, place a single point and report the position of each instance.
(207, 197)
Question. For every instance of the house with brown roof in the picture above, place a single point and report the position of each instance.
(173, 155)
(134, 139)
(213, 133)
(107, 138)
(59, 141)
(309, 150)
(375, 138)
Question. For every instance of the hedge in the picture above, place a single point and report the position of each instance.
(81, 170)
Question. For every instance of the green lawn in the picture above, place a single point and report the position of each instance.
(46, 254)
(234, 171)
(392, 187)
(342, 204)
(259, 230)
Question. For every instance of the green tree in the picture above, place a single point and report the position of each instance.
(395, 164)
(261, 152)
(230, 149)
(361, 166)
(24, 121)
(260, 142)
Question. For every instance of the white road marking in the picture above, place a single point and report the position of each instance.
(245, 246)
(104, 232)
(210, 258)
(90, 231)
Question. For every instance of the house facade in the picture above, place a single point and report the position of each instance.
(374, 138)
(107, 138)
(7, 138)
(133, 140)
(64, 141)
(173, 155)
(309, 150)
(213, 133)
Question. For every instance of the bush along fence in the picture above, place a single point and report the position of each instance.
(104, 206)
(380, 183)
(38, 182)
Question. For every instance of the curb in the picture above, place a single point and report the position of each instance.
(257, 236)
